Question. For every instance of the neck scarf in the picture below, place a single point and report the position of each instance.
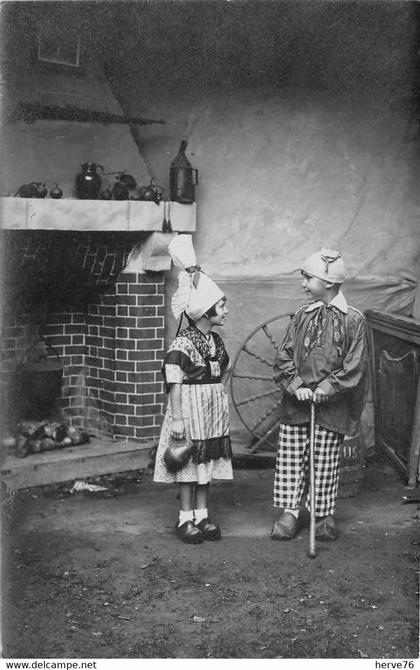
(201, 343)
(318, 325)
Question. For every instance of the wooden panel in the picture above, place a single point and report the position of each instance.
(395, 359)
(397, 325)
(414, 463)
(397, 387)
(97, 458)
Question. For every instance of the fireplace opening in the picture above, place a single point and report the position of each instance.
(82, 341)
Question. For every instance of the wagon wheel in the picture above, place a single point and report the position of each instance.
(254, 394)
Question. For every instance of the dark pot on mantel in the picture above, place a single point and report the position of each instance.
(88, 182)
(120, 191)
(35, 189)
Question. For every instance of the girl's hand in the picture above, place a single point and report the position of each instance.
(303, 393)
(178, 429)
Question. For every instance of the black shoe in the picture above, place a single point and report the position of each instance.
(209, 530)
(189, 533)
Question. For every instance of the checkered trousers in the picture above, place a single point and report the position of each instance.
(292, 468)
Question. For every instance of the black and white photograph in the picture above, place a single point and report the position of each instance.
(210, 333)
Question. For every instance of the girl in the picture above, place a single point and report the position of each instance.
(197, 410)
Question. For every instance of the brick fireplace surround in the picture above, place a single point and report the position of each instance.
(111, 349)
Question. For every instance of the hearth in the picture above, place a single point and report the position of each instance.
(103, 327)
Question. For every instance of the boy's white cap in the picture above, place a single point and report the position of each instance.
(326, 264)
(196, 292)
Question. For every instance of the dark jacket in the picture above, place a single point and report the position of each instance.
(340, 371)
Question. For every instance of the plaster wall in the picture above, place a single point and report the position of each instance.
(51, 151)
(283, 172)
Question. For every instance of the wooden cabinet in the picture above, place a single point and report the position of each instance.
(395, 367)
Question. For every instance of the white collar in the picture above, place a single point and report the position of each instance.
(338, 301)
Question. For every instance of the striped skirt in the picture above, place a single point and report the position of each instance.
(205, 412)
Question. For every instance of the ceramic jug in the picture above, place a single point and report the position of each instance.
(88, 182)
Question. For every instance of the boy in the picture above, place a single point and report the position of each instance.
(323, 358)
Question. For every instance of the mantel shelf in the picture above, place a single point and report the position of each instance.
(93, 215)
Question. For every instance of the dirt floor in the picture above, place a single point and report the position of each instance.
(102, 575)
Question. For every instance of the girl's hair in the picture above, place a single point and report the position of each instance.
(212, 311)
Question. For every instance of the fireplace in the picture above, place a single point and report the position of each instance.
(82, 276)
(105, 325)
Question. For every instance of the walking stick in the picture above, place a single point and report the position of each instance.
(312, 548)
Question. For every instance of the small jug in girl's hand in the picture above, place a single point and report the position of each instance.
(177, 454)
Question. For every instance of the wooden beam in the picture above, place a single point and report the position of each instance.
(93, 215)
(99, 457)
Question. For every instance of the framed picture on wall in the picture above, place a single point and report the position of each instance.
(59, 50)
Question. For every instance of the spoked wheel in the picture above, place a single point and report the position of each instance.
(255, 396)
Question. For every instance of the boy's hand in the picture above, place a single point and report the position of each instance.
(303, 393)
(319, 396)
(178, 429)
